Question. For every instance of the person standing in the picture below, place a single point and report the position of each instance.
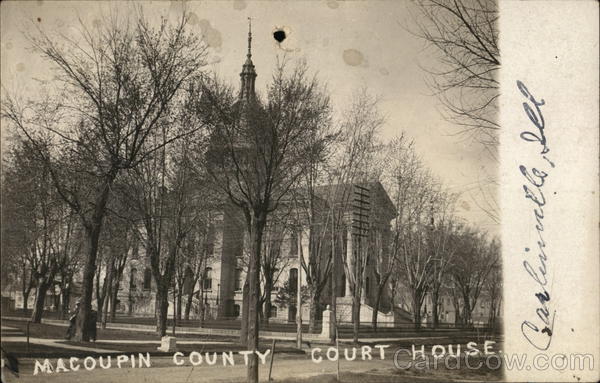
(72, 321)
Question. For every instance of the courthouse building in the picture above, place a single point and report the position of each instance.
(220, 288)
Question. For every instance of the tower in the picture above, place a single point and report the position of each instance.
(248, 74)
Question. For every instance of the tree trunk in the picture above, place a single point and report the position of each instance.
(314, 311)
(179, 296)
(267, 302)
(333, 315)
(188, 304)
(104, 292)
(26, 288)
(101, 290)
(435, 297)
(376, 307)
(456, 305)
(492, 314)
(416, 303)
(55, 298)
(26, 300)
(40, 298)
(113, 299)
(105, 306)
(202, 309)
(175, 307)
(245, 303)
(92, 234)
(162, 303)
(467, 310)
(355, 319)
(256, 233)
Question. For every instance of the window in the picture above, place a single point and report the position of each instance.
(147, 279)
(208, 278)
(293, 244)
(293, 279)
(238, 279)
(236, 311)
(188, 281)
(210, 241)
(132, 279)
(210, 248)
(273, 311)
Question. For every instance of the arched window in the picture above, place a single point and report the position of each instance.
(208, 278)
(293, 279)
(238, 279)
(147, 279)
(293, 244)
(132, 279)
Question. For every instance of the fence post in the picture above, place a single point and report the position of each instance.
(272, 357)
(28, 323)
(337, 346)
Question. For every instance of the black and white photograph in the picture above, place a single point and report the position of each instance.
(253, 191)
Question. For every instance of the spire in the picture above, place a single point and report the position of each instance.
(248, 74)
(249, 55)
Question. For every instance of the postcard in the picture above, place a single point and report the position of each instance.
(299, 191)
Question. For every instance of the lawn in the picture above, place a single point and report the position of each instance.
(50, 331)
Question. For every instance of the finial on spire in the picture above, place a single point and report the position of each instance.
(249, 37)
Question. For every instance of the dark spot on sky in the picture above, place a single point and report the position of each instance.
(39, 19)
(279, 35)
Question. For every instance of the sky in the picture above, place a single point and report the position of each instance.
(349, 44)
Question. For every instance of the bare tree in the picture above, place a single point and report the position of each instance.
(258, 154)
(194, 254)
(442, 244)
(117, 241)
(358, 162)
(412, 188)
(475, 258)
(400, 166)
(17, 257)
(493, 288)
(168, 200)
(45, 225)
(464, 35)
(272, 261)
(311, 213)
(112, 86)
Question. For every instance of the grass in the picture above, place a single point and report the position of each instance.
(50, 331)
(20, 350)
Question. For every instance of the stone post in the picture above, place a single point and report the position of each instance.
(168, 344)
(326, 330)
